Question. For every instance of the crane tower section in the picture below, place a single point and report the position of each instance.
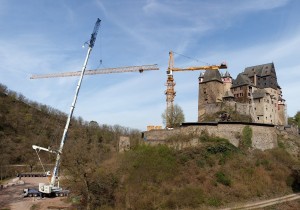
(170, 92)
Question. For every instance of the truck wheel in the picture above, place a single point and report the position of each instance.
(34, 195)
(29, 195)
(61, 194)
(56, 194)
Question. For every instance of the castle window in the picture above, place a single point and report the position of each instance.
(240, 88)
(258, 118)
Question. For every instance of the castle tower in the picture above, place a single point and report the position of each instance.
(211, 91)
(227, 81)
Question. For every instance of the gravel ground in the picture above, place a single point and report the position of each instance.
(11, 197)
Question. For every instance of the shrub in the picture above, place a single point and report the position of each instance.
(187, 197)
(246, 141)
(216, 202)
(150, 163)
(223, 179)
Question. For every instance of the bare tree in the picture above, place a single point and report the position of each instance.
(173, 117)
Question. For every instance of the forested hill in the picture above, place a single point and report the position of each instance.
(24, 123)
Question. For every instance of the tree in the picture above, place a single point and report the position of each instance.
(295, 120)
(173, 117)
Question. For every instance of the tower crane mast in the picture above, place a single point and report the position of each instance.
(170, 92)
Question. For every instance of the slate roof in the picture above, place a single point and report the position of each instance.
(259, 70)
(226, 74)
(259, 93)
(212, 75)
(241, 80)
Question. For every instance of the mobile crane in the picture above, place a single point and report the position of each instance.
(52, 189)
(170, 92)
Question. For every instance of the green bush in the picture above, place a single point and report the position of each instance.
(246, 141)
(216, 202)
(151, 163)
(223, 179)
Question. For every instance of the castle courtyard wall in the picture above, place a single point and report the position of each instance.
(263, 137)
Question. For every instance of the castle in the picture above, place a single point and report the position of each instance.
(255, 93)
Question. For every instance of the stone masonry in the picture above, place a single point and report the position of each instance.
(264, 136)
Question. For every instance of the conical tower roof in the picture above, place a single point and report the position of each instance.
(212, 75)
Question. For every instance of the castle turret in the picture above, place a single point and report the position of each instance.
(227, 81)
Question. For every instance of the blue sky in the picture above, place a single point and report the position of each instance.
(43, 36)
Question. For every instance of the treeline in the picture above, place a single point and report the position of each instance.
(24, 123)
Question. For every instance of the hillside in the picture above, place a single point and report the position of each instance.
(212, 175)
(24, 123)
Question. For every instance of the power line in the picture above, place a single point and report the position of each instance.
(192, 58)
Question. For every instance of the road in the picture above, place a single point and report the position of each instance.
(265, 203)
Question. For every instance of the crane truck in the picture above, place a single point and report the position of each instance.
(52, 189)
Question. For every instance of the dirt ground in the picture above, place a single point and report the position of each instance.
(11, 197)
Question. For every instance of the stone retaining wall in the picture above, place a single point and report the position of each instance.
(263, 137)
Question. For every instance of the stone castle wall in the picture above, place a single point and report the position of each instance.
(209, 109)
(264, 137)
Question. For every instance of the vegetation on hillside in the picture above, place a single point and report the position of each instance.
(234, 116)
(211, 175)
(24, 123)
(295, 120)
(214, 174)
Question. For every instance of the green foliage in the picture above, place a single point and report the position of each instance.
(215, 202)
(295, 120)
(223, 179)
(246, 141)
(151, 164)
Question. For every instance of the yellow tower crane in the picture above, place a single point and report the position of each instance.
(170, 92)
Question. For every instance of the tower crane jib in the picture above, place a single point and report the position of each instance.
(99, 71)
